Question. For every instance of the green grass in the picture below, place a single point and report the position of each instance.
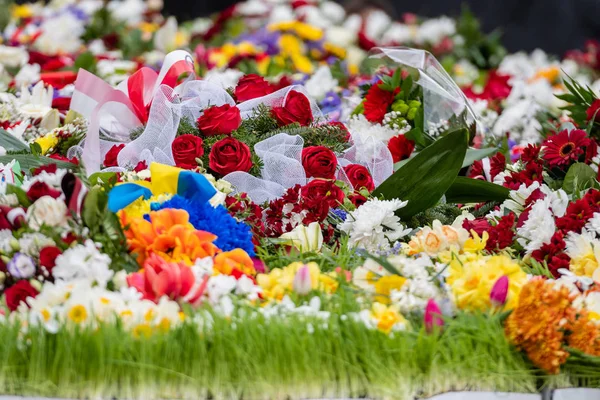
(251, 358)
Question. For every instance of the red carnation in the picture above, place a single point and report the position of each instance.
(110, 159)
(252, 86)
(49, 169)
(19, 292)
(48, 258)
(376, 104)
(319, 162)
(400, 147)
(594, 111)
(229, 155)
(296, 109)
(219, 120)
(186, 148)
(40, 189)
(321, 191)
(359, 177)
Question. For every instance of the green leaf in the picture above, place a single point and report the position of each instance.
(29, 161)
(478, 154)
(103, 178)
(579, 177)
(11, 143)
(20, 193)
(424, 179)
(467, 190)
(86, 61)
(94, 207)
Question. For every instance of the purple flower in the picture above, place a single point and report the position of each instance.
(499, 291)
(21, 266)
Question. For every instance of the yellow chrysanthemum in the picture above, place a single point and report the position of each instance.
(302, 63)
(141, 207)
(337, 51)
(290, 45)
(308, 32)
(47, 142)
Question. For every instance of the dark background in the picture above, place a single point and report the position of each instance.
(552, 25)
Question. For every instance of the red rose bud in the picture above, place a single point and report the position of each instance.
(400, 147)
(39, 189)
(186, 148)
(296, 109)
(359, 177)
(433, 316)
(499, 291)
(229, 155)
(19, 292)
(252, 86)
(319, 162)
(221, 120)
(594, 111)
(110, 159)
(48, 258)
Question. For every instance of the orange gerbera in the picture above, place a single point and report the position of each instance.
(168, 234)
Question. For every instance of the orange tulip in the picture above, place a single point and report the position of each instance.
(235, 259)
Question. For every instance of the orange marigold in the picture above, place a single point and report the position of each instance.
(584, 335)
(537, 325)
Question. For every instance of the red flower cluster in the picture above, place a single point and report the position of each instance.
(252, 86)
(497, 165)
(501, 235)
(496, 88)
(377, 102)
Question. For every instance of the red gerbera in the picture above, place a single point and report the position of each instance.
(377, 102)
(565, 147)
(400, 147)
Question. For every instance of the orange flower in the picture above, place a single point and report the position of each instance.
(238, 259)
(585, 335)
(169, 235)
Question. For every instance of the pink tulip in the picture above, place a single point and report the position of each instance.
(259, 266)
(161, 278)
(433, 316)
(302, 282)
(499, 291)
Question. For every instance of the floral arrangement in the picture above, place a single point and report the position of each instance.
(279, 201)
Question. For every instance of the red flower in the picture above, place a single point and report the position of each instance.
(478, 225)
(496, 88)
(221, 120)
(357, 199)
(296, 109)
(252, 86)
(577, 215)
(39, 189)
(140, 166)
(65, 159)
(593, 111)
(19, 292)
(186, 148)
(376, 104)
(565, 147)
(61, 103)
(320, 191)
(359, 177)
(110, 159)
(553, 254)
(48, 258)
(50, 169)
(530, 153)
(502, 234)
(400, 147)
(229, 155)
(319, 162)
(364, 42)
(343, 127)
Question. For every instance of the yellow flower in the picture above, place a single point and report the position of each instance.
(22, 11)
(302, 63)
(78, 314)
(142, 331)
(308, 32)
(551, 74)
(141, 207)
(280, 281)
(385, 285)
(584, 265)
(246, 48)
(290, 45)
(148, 27)
(387, 317)
(337, 51)
(282, 26)
(181, 39)
(475, 243)
(47, 142)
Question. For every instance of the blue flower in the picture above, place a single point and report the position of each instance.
(231, 234)
(339, 213)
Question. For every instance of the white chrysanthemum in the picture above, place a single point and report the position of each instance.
(559, 200)
(83, 261)
(374, 225)
(539, 227)
(320, 83)
(434, 30)
(32, 243)
(517, 198)
(593, 224)
(60, 34)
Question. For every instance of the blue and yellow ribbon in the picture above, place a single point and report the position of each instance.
(164, 179)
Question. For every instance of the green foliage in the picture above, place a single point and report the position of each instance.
(467, 190)
(86, 61)
(30, 161)
(424, 179)
(11, 143)
(478, 154)
(580, 177)
(580, 99)
(187, 127)
(445, 213)
(5, 16)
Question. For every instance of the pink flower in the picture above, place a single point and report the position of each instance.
(433, 316)
(499, 291)
(302, 281)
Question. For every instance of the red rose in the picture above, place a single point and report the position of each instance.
(296, 109)
(58, 157)
(229, 155)
(110, 159)
(400, 147)
(62, 104)
(343, 128)
(140, 166)
(19, 292)
(319, 162)
(252, 86)
(221, 120)
(320, 191)
(357, 199)
(359, 177)
(594, 111)
(377, 102)
(39, 189)
(186, 148)
(50, 169)
(48, 257)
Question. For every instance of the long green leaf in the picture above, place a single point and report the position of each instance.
(29, 161)
(11, 143)
(478, 154)
(579, 177)
(425, 178)
(467, 190)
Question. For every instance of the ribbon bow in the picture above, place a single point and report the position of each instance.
(164, 179)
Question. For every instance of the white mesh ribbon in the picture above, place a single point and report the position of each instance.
(370, 153)
(442, 98)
